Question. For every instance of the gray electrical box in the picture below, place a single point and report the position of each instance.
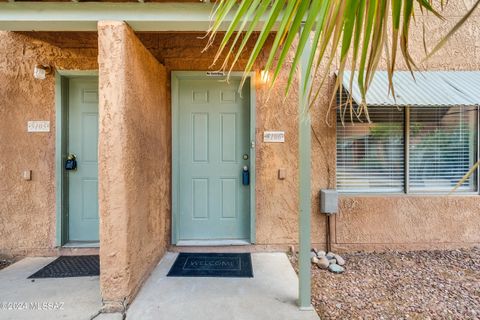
(328, 201)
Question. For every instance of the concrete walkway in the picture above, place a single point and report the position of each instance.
(46, 299)
(271, 294)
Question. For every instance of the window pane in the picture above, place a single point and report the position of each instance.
(443, 147)
(370, 156)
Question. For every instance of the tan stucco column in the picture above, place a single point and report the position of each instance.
(134, 163)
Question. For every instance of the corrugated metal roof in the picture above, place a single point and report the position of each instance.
(429, 88)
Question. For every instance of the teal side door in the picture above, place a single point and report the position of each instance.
(213, 148)
(82, 139)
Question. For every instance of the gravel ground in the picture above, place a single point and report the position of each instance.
(400, 285)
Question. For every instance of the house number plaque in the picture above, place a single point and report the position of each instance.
(38, 126)
(274, 136)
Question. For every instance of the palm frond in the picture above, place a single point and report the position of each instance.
(357, 31)
(466, 177)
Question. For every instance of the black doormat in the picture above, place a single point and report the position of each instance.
(70, 266)
(228, 265)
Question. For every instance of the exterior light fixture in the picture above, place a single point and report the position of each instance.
(40, 71)
(264, 76)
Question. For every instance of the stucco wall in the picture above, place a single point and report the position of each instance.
(135, 153)
(411, 222)
(27, 208)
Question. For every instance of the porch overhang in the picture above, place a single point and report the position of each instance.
(83, 16)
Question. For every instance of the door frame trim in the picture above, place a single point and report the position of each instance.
(176, 76)
(61, 135)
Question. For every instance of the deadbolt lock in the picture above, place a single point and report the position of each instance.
(71, 163)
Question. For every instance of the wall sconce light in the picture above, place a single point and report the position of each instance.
(264, 76)
(40, 71)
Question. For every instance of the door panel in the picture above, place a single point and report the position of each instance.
(200, 137)
(200, 198)
(229, 137)
(213, 129)
(229, 199)
(83, 143)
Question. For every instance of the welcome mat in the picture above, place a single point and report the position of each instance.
(229, 265)
(70, 266)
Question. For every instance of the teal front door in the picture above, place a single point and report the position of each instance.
(82, 142)
(213, 149)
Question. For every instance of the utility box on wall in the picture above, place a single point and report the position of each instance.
(328, 201)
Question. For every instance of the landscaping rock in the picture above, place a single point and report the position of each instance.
(312, 254)
(335, 268)
(332, 261)
(321, 253)
(340, 260)
(330, 255)
(314, 260)
(323, 263)
(436, 284)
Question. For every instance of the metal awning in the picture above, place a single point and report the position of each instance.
(429, 88)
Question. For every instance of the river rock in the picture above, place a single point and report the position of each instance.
(330, 255)
(321, 253)
(323, 263)
(335, 268)
(314, 260)
(340, 260)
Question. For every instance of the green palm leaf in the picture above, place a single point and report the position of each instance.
(354, 29)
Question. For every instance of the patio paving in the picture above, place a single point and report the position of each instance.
(46, 299)
(271, 294)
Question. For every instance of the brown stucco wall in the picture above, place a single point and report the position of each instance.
(413, 222)
(27, 208)
(135, 153)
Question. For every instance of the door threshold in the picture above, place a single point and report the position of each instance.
(212, 243)
(82, 244)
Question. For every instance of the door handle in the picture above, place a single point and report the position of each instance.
(245, 176)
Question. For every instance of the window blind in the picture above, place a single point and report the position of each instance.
(370, 156)
(443, 147)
